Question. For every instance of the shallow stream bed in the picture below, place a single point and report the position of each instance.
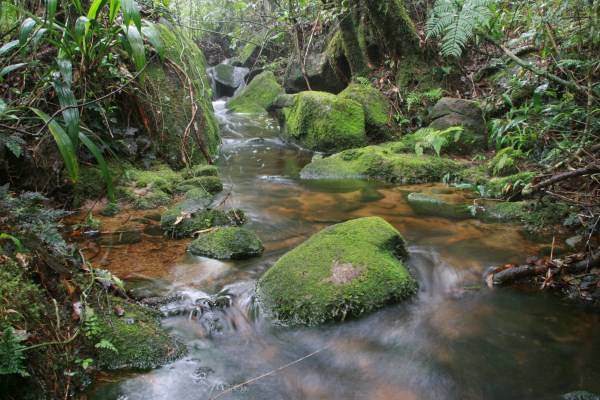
(455, 340)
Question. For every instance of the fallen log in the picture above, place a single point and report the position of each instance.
(502, 276)
(590, 169)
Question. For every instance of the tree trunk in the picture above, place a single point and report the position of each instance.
(354, 54)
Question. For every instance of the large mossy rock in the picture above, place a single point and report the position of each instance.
(326, 68)
(137, 336)
(324, 122)
(345, 270)
(227, 243)
(382, 162)
(166, 108)
(375, 106)
(258, 96)
(449, 112)
(227, 79)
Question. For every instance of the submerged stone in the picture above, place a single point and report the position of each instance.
(228, 243)
(258, 96)
(324, 122)
(381, 162)
(345, 270)
(438, 204)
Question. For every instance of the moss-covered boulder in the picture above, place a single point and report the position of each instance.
(506, 162)
(228, 243)
(375, 106)
(166, 108)
(258, 96)
(440, 205)
(137, 337)
(345, 270)
(201, 170)
(383, 162)
(510, 185)
(184, 220)
(324, 122)
(150, 200)
(211, 184)
(452, 140)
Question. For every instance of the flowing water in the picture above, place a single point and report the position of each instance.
(454, 340)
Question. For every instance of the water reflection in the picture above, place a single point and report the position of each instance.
(452, 341)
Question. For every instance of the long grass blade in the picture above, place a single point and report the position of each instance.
(8, 47)
(64, 144)
(153, 35)
(10, 68)
(51, 6)
(91, 146)
(131, 12)
(94, 8)
(113, 10)
(26, 27)
(136, 44)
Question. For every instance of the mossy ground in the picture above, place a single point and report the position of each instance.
(381, 162)
(375, 106)
(227, 243)
(506, 162)
(324, 122)
(140, 341)
(258, 96)
(344, 270)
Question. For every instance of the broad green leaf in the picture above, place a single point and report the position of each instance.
(78, 7)
(136, 45)
(38, 36)
(153, 35)
(25, 30)
(113, 10)
(51, 6)
(91, 146)
(8, 47)
(64, 144)
(66, 70)
(16, 242)
(81, 26)
(94, 8)
(10, 68)
(70, 114)
(131, 12)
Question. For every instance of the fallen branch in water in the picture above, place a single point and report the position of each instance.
(265, 375)
(575, 264)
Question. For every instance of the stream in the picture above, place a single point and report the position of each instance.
(455, 340)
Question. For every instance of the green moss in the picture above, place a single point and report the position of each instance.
(505, 162)
(168, 106)
(258, 96)
(228, 243)
(201, 170)
(509, 185)
(344, 270)
(211, 184)
(375, 106)
(140, 341)
(535, 215)
(179, 223)
(450, 141)
(159, 177)
(438, 205)
(91, 184)
(383, 163)
(153, 199)
(476, 175)
(325, 122)
(22, 302)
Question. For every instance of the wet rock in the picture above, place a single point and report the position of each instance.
(137, 336)
(381, 162)
(344, 270)
(283, 100)
(227, 79)
(228, 243)
(574, 241)
(580, 395)
(180, 223)
(125, 236)
(324, 122)
(258, 96)
(439, 205)
(375, 106)
(449, 112)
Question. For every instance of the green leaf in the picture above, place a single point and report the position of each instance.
(8, 47)
(38, 36)
(131, 12)
(65, 67)
(94, 8)
(153, 35)
(64, 144)
(136, 44)
(10, 68)
(51, 6)
(16, 242)
(113, 10)
(81, 27)
(13, 143)
(91, 146)
(25, 30)
(70, 113)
